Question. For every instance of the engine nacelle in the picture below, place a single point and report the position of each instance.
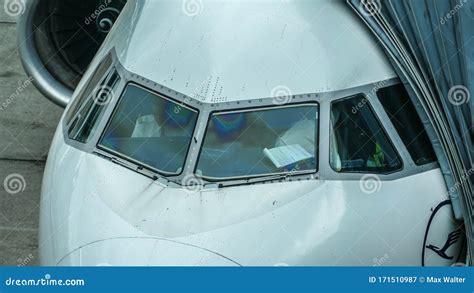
(57, 40)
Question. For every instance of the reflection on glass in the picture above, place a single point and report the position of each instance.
(86, 121)
(358, 141)
(150, 129)
(402, 113)
(260, 142)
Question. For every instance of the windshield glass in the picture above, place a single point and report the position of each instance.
(150, 129)
(260, 142)
(358, 141)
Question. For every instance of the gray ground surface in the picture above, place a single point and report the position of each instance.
(27, 124)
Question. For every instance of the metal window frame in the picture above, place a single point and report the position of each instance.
(74, 109)
(245, 179)
(428, 165)
(167, 174)
(383, 130)
(205, 109)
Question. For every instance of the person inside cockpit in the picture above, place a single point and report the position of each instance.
(358, 141)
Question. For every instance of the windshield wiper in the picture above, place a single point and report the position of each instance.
(256, 180)
(139, 168)
(135, 167)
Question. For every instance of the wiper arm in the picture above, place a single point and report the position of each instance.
(268, 178)
(139, 168)
(256, 180)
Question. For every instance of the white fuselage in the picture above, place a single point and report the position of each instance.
(97, 212)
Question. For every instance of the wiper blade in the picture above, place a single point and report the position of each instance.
(135, 167)
(268, 178)
(139, 168)
(256, 180)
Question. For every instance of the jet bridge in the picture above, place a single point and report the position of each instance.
(430, 45)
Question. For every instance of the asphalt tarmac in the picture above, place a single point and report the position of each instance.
(27, 124)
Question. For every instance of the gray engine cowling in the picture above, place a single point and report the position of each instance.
(57, 40)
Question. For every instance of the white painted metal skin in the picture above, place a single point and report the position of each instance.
(95, 212)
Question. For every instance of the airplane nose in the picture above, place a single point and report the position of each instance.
(143, 252)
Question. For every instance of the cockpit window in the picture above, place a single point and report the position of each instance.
(401, 111)
(358, 142)
(85, 122)
(87, 90)
(151, 130)
(260, 142)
